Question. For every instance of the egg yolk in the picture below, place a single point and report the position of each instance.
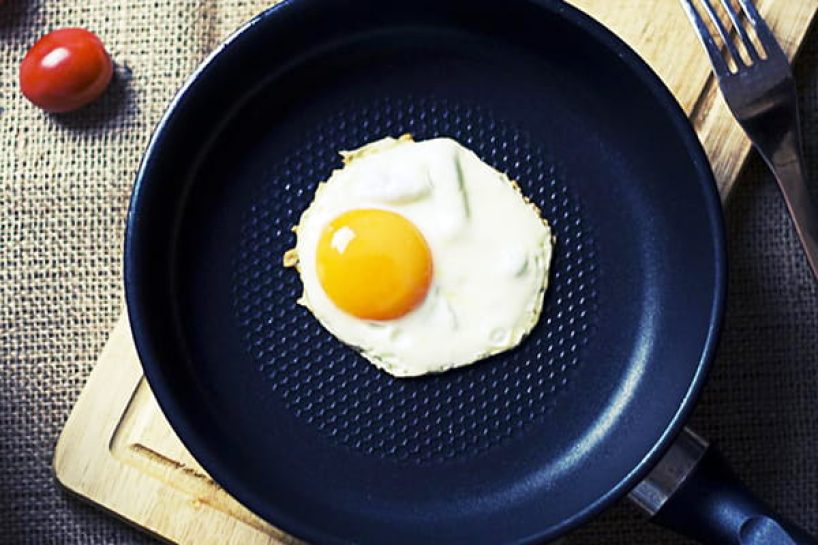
(374, 264)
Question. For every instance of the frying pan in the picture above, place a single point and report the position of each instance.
(520, 448)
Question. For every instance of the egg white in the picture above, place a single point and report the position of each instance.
(491, 253)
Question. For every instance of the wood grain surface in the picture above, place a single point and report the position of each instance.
(118, 451)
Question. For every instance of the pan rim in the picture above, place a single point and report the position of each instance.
(198, 444)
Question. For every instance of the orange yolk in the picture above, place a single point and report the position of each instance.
(374, 264)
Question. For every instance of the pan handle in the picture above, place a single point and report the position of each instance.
(695, 493)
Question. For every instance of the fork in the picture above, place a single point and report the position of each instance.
(761, 94)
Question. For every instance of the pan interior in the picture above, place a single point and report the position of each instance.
(512, 449)
(332, 389)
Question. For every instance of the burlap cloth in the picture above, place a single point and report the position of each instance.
(64, 186)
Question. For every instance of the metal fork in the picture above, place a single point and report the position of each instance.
(761, 94)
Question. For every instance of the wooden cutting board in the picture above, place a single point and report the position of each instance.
(118, 451)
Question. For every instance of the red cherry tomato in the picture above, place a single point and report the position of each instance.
(65, 70)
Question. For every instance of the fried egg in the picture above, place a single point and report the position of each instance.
(422, 257)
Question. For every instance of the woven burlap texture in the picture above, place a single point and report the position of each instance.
(64, 186)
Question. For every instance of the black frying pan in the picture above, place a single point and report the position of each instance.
(519, 448)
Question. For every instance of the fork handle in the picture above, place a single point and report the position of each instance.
(694, 492)
(787, 165)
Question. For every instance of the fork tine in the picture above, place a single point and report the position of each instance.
(725, 36)
(716, 59)
(750, 11)
(765, 35)
(745, 38)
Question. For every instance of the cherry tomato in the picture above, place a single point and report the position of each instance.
(65, 70)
